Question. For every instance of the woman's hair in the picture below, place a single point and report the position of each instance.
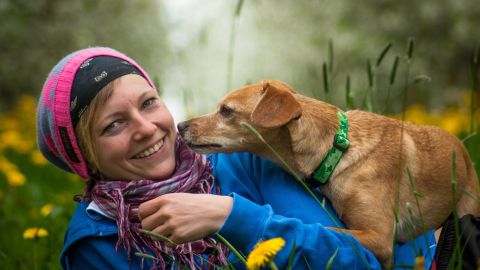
(85, 130)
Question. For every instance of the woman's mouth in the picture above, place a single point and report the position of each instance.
(150, 151)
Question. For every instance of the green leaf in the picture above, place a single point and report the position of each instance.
(292, 255)
(158, 236)
(330, 261)
(232, 248)
(144, 255)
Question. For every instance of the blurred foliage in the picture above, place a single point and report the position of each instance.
(34, 35)
(35, 197)
(289, 41)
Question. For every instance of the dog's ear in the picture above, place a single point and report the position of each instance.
(276, 107)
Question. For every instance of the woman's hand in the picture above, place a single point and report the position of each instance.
(185, 217)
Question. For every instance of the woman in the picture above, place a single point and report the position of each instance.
(100, 116)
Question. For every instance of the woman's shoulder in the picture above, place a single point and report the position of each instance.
(86, 223)
(88, 220)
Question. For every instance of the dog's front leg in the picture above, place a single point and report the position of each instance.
(379, 244)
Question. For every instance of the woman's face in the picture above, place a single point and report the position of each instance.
(134, 133)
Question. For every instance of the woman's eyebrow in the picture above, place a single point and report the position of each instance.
(145, 92)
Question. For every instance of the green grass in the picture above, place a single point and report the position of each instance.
(20, 210)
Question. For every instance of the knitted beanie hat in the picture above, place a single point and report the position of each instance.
(55, 132)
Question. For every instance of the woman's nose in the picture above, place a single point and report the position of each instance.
(143, 127)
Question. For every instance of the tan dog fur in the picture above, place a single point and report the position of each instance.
(364, 185)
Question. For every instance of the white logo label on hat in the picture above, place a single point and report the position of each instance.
(86, 63)
(101, 76)
(73, 104)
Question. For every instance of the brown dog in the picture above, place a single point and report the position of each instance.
(371, 174)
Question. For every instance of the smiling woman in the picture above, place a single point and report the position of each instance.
(133, 128)
(127, 149)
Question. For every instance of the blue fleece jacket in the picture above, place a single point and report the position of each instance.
(267, 203)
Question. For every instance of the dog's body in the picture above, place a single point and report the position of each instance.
(371, 174)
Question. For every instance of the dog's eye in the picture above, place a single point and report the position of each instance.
(225, 111)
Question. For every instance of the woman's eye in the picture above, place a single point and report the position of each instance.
(225, 111)
(149, 102)
(111, 127)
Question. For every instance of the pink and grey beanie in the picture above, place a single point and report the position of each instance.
(65, 96)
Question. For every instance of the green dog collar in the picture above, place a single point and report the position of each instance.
(340, 145)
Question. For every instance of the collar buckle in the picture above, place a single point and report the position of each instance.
(341, 142)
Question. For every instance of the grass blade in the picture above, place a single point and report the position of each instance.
(144, 255)
(383, 53)
(393, 71)
(370, 73)
(232, 248)
(238, 9)
(330, 56)
(368, 100)
(158, 236)
(292, 256)
(474, 91)
(348, 95)
(393, 74)
(330, 261)
(326, 86)
(456, 254)
(410, 46)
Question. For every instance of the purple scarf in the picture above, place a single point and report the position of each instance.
(121, 199)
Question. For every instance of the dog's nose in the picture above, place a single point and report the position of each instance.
(182, 126)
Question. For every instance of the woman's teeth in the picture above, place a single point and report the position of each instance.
(150, 151)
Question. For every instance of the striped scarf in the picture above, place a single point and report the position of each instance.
(121, 199)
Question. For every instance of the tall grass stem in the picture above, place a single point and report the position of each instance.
(348, 94)
(475, 94)
(231, 46)
(383, 53)
(232, 248)
(456, 254)
(326, 83)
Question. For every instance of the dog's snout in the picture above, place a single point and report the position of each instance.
(182, 127)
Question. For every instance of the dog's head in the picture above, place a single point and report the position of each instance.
(268, 106)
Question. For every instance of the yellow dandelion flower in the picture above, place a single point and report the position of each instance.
(6, 165)
(34, 233)
(46, 209)
(454, 121)
(38, 158)
(8, 123)
(26, 105)
(419, 263)
(10, 138)
(15, 178)
(24, 147)
(416, 114)
(264, 252)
